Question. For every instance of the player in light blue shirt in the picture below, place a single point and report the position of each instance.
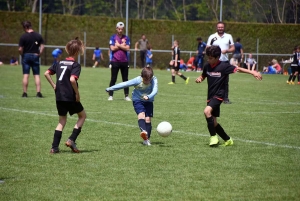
(56, 55)
(145, 89)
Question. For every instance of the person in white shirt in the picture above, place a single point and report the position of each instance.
(225, 42)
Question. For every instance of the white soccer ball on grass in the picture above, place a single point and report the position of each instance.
(164, 129)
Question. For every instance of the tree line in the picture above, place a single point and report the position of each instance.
(254, 11)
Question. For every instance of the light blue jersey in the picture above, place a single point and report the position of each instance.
(140, 89)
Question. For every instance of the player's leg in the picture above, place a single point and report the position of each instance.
(36, 74)
(114, 75)
(294, 77)
(293, 69)
(62, 120)
(149, 115)
(25, 85)
(214, 141)
(76, 107)
(124, 72)
(140, 110)
(218, 128)
(180, 74)
(173, 73)
(26, 73)
(226, 98)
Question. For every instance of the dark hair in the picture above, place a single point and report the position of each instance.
(97, 48)
(199, 38)
(147, 73)
(213, 51)
(238, 39)
(26, 24)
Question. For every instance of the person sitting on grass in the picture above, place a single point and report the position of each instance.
(277, 66)
(216, 73)
(67, 95)
(145, 89)
(14, 61)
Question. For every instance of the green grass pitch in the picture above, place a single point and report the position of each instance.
(263, 163)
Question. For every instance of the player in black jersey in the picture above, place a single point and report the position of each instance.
(67, 95)
(175, 64)
(217, 73)
(295, 66)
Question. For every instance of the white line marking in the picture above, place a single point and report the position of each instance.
(175, 131)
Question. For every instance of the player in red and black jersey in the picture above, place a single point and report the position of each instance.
(217, 73)
(67, 95)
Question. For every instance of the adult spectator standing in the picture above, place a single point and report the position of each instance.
(143, 44)
(200, 54)
(31, 46)
(225, 42)
(238, 54)
(119, 45)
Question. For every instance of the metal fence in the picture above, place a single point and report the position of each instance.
(161, 57)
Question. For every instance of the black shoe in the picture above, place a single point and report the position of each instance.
(39, 95)
(54, 151)
(227, 102)
(24, 95)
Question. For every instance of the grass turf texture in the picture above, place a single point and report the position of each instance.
(263, 121)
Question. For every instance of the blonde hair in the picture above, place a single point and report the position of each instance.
(74, 47)
(274, 61)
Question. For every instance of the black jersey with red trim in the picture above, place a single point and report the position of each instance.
(64, 70)
(216, 77)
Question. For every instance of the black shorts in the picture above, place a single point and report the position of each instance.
(176, 68)
(63, 107)
(215, 104)
(294, 68)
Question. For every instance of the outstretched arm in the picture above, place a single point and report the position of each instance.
(255, 74)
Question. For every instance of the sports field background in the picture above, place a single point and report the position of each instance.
(263, 163)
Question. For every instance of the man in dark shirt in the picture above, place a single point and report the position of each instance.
(31, 46)
(199, 61)
(217, 73)
(238, 54)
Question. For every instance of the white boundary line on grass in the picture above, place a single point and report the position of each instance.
(175, 131)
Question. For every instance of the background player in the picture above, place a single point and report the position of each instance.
(97, 56)
(175, 63)
(56, 53)
(67, 95)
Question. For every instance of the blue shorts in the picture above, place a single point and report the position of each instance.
(97, 59)
(31, 60)
(141, 106)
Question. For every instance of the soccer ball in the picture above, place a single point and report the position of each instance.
(164, 129)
